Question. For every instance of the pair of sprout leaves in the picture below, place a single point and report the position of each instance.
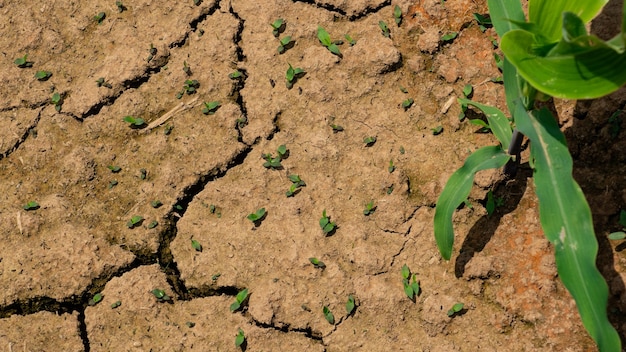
(350, 306)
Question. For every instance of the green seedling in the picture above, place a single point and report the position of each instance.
(296, 183)
(134, 221)
(350, 40)
(190, 86)
(143, 174)
(32, 205)
(100, 17)
(152, 51)
(114, 169)
(390, 189)
(350, 305)
(57, 101)
(620, 235)
(327, 226)
(336, 128)
(257, 216)
(178, 207)
(369, 141)
(317, 263)
(168, 129)
(292, 75)
(190, 324)
(43, 75)
(493, 203)
(411, 289)
(282, 151)
(156, 203)
(160, 295)
(196, 245)
(113, 183)
(102, 83)
(456, 308)
(97, 298)
(437, 130)
(120, 6)
(449, 37)
(134, 121)
(116, 304)
(240, 339)
(391, 168)
(240, 300)
(271, 163)
(406, 104)
(370, 208)
(197, 2)
(384, 29)
(211, 107)
(397, 15)
(212, 209)
(330, 318)
(468, 90)
(235, 75)
(402, 151)
(186, 68)
(284, 44)
(484, 21)
(214, 277)
(22, 62)
(153, 224)
(324, 38)
(278, 27)
(404, 90)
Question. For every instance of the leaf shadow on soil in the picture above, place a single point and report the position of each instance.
(483, 230)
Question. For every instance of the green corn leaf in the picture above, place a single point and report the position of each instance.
(456, 191)
(566, 220)
(499, 124)
(589, 68)
(504, 14)
(323, 36)
(542, 14)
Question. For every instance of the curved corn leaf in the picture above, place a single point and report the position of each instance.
(566, 220)
(504, 14)
(456, 191)
(542, 14)
(584, 68)
(498, 122)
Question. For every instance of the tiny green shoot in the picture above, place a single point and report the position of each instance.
(317, 263)
(620, 235)
(370, 208)
(277, 27)
(240, 299)
(484, 21)
(100, 17)
(116, 304)
(186, 68)
(134, 121)
(160, 295)
(284, 44)
(120, 6)
(57, 101)
(397, 15)
(211, 107)
(391, 168)
(404, 90)
(336, 128)
(350, 305)
(43, 75)
(257, 216)
(369, 141)
(411, 288)
(196, 245)
(114, 168)
(97, 298)
(493, 202)
(437, 130)
(468, 90)
(32, 205)
(327, 226)
(456, 308)
(102, 83)
(292, 75)
(143, 174)
(406, 104)
(324, 38)
(240, 339)
(134, 221)
(296, 183)
(113, 183)
(449, 37)
(235, 74)
(22, 62)
(153, 224)
(350, 40)
(190, 324)
(330, 318)
(156, 203)
(384, 29)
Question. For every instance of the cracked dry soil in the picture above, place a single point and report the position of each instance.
(207, 171)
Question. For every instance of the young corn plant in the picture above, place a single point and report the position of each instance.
(551, 54)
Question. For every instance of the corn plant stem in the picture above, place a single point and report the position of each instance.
(515, 148)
